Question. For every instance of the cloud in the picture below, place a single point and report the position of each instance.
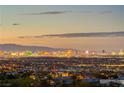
(26, 37)
(106, 12)
(76, 35)
(96, 12)
(15, 24)
(86, 12)
(47, 13)
(64, 12)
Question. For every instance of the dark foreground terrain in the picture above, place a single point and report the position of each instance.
(61, 72)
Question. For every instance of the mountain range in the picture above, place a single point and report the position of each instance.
(16, 47)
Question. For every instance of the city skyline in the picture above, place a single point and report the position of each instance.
(33, 21)
(61, 46)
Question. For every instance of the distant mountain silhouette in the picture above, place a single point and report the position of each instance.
(15, 47)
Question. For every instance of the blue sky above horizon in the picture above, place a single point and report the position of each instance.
(35, 20)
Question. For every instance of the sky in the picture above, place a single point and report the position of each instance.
(32, 21)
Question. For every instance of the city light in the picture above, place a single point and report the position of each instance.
(65, 53)
(87, 52)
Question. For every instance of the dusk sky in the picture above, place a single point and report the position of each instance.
(32, 21)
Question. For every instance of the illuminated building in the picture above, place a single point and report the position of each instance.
(113, 53)
(21, 53)
(103, 51)
(43, 53)
(65, 74)
(32, 77)
(1, 53)
(13, 54)
(28, 53)
(86, 52)
(121, 52)
(69, 53)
